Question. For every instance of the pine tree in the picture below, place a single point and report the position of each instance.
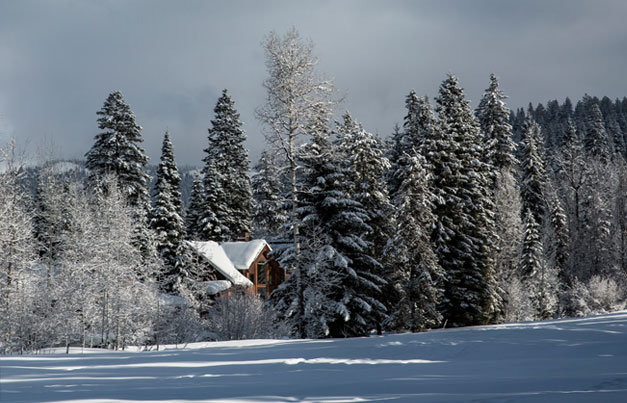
(214, 212)
(366, 168)
(117, 151)
(418, 124)
(464, 231)
(166, 216)
(493, 115)
(533, 181)
(368, 165)
(340, 294)
(559, 239)
(194, 211)
(533, 269)
(270, 212)
(226, 150)
(595, 141)
(417, 279)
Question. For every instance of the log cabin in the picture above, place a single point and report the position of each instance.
(227, 266)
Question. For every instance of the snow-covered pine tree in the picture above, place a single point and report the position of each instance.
(532, 165)
(345, 221)
(595, 140)
(493, 116)
(194, 211)
(417, 125)
(117, 151)
(214, 212)
(559, 240)
(533, 269)
(464, 232)
(417, 279)
(226, 150)
(166, 216)
(270, 212)
(367, 166)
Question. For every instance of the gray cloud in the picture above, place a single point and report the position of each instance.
(171, 59)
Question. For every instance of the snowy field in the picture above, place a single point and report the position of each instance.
(576, 360)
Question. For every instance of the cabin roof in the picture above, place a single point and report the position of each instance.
(216, 255)
(243, 254)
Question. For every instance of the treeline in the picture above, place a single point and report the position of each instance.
(460, 217)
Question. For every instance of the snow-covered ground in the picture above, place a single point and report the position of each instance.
(576, 360)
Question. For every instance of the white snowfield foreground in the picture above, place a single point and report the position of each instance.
(573, 360)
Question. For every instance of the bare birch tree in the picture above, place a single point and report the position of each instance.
(296, 99)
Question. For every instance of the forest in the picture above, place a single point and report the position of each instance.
(459, 217)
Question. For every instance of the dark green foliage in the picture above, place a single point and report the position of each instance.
(166, 215)
(464, 230)
(117, 151)
(229, 190)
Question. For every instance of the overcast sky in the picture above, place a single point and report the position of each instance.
(171, 59)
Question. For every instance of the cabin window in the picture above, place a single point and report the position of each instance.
(261, 273)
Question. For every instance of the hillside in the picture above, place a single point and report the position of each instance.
(571, 360)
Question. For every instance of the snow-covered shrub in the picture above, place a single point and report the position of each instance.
(604, 294)
(242, 316)
(599, 295)
(518, 304)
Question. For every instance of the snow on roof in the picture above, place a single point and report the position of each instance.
(215, 255)
(243, 254)
(217, 286)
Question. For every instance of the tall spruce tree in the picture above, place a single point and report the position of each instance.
(464, 231)
(533, 269)
(417, 279)
(270, 212)
(117, 151)
(166, 215)
(417, 125)
(366, 164)
(493, 116)
(193, 215)
(214, 211)
(595, 141)
(226, 150)
(533, 180)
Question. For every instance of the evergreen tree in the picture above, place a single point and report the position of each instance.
(340, 293)
(559, 239)
(533, 269)
(595, 141)
(464, 233)
(533, 181)
(271, 211)
(166, 216)
(117, 151)
(194, 211)
(493, 115)
(417, 279)
(418, 124)
(226, 150)
(214, 212)
(368, 166)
